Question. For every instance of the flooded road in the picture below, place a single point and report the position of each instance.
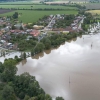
(77, 61)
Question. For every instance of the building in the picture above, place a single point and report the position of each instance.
(38, 27)
(35, 33)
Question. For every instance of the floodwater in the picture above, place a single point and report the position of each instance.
(71, 71)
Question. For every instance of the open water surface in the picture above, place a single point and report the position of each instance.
(71, 71)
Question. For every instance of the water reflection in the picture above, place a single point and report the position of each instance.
(80, 36)
(24, 62)
(74, 39)
(37, 56)
(47, 51)
(69, 41)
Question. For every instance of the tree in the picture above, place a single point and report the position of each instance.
(21, 85)
(59, 98)
(9, 70)
(46, 42)
(1, 67)
(21, 95)
(26, 97)
(21, 28)
(15, 15)
(8, 93)
(48, 97)
(33, 98)
(13, 27)
(24, 55)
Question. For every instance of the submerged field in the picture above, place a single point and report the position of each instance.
(29, 16)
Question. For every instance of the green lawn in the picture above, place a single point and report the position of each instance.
(29, 16)
(37, 6)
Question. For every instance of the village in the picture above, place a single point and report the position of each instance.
(38, 31)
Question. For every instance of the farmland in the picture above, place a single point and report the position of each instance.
(21, 2)
(94, 11)
(92, 5)
(33, 6)
(29, 16)
(28, 13)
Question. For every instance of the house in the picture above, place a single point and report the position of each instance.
(38, 27)
(29, 30)
(3, 41)
(51, 16)
(18, 25)
(65, 31)
(35, 33)
(7, 28)
(12, 31)
(58, 16)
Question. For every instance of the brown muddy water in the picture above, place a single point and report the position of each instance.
(71, 71)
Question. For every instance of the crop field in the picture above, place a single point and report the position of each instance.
(33, 6)
(29, 16)
(94, 11)
(22, 2)
(92, 5)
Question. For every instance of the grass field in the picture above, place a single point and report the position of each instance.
(37, 6)
(33, 16)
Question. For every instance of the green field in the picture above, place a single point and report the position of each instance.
(33, 6)
(33, 16)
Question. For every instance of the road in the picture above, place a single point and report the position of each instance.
(50, 24)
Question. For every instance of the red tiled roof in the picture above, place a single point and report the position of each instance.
(12, 31)
(17, 30)
(35, 33)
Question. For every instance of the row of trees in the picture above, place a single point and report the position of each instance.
(53, 41)
(40, 9)
(24, 86)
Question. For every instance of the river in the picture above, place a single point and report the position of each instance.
(71, 71)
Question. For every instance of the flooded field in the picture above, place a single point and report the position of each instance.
(71, 71)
